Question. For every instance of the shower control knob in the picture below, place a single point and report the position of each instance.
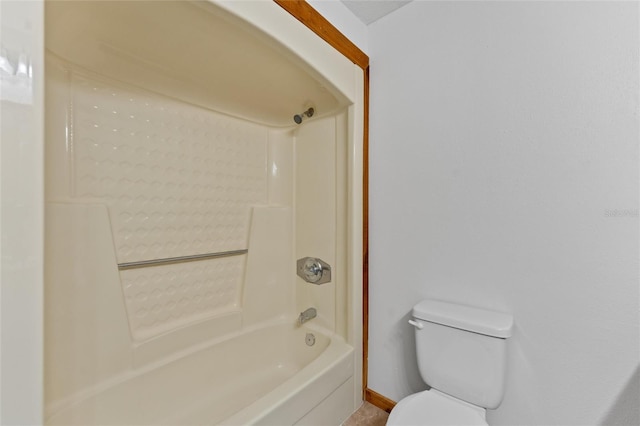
(313, 270)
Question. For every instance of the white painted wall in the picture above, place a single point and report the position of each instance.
(344, 20)
(504, 174)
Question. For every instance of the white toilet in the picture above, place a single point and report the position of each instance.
(462, 355)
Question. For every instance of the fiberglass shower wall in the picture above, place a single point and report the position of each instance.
(321, 215)
(137, 170)
(248, 60)
(133, 175)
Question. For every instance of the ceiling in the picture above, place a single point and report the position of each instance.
(369, 11)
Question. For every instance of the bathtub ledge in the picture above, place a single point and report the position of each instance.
(292, 400)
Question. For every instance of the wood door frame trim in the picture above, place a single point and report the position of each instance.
(307, 15)
(379, 401)
(303, 12)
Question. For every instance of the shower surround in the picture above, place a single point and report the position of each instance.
(179, 194)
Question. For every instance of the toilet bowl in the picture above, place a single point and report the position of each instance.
(434, 408)
(461, 353)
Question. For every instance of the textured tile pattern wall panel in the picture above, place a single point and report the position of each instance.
(178, 180)
(161, 298)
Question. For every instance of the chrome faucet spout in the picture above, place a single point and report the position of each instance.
(307, 315)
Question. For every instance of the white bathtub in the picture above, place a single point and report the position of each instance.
(170, 143)
(274, 378)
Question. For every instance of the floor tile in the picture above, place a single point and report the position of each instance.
(367, 415)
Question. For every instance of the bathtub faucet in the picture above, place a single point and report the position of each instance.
(307, 315)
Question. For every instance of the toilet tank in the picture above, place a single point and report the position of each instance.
(462, 350)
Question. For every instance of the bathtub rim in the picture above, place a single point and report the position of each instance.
(334, 365)
(56, 408)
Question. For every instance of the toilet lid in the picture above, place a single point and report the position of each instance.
(435, 408)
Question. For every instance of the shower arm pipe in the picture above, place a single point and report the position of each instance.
(308, 113)
(180, 259)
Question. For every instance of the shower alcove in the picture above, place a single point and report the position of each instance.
(169, 135)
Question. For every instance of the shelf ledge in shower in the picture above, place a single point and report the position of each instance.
(180, 259)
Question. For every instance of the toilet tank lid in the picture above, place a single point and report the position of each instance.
(490, 323)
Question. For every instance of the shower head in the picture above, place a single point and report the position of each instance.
(299, 117)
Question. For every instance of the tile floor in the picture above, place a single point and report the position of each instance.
(367, 415)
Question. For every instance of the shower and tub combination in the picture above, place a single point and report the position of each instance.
(202, 248)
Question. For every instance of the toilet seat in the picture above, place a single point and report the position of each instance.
(433, 408)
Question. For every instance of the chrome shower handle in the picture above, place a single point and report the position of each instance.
(314, 270)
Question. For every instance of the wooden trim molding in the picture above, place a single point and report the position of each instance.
(379, 401)
(365, 239)
(303, 12)
(317, 23)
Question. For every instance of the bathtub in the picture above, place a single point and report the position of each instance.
(277, 377)
(179, 196)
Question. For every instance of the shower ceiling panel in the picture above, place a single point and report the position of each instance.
(210, 61)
